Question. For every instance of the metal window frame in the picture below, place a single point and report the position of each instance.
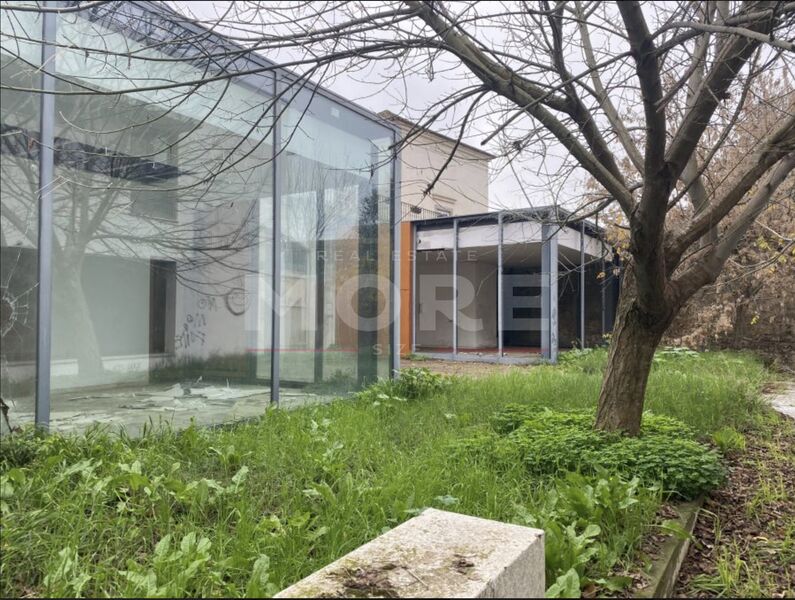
(582, 285)
(500, 317)
(45, 220)
(455, 288)
(276, 254)
(395, 298)
(413, 257)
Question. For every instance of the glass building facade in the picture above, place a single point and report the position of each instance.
(188, 233)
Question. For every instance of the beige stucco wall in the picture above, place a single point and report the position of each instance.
(464, 185)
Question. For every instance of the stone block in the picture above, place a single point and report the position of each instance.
(437, 554)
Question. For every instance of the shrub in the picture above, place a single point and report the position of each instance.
(683, 467)
(418, 382)
(549, 443)
(415, 383)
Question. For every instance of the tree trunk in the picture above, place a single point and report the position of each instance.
(634, 340)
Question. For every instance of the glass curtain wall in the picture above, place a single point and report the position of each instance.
(163, 279)
(162, 232)
(336, 182)
(19, 174)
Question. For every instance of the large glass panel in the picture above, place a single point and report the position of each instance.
(434, 289)
(163, 236)
(19, 174)
(336, 249)
(522, 287)
(477, 287)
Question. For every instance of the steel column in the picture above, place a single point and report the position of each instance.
(320, 285)
(500, 323)
(395, 296)
(582, 285)
(367, 296)
(549, 292)
(277, 248)
(413, 256)
(455, 287)
(45, 232)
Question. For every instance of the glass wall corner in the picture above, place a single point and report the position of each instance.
(170, 279)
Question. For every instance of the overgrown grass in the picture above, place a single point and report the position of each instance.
(751, 549)
(253, 508)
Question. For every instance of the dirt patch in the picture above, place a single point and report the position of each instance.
(368, 583)
(745, 537)
(462, 564)
(469, 369)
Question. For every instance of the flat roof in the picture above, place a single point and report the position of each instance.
(548, 214)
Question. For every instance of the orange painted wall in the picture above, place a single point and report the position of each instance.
(406, 256)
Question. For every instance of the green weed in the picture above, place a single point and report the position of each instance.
(250, 509)
(729, 440)
(550, 443)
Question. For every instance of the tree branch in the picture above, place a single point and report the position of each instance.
(524, 93)
(602, 96)
(648, 222)
(707, 269)
(730, 59)
(780, 143)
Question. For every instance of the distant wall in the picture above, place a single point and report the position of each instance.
(478, 302)
(463, 187)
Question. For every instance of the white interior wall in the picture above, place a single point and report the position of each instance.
(434, 309)
(477, 301)
(483, 276)
(106, 280)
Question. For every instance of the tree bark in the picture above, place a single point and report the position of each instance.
(635, 337)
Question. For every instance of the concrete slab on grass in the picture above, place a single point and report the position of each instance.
(437, 554)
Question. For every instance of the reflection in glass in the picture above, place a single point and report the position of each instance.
(163, 231)
(19, 174)
(162, 242)
(336, 186)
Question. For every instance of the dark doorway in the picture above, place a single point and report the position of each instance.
(162, 297)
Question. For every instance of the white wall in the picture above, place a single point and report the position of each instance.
(464, 185)
(483, 308)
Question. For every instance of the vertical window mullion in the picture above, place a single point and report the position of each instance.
(45, 232)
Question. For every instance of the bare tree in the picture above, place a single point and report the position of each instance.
(644, 98)
(571, 69)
